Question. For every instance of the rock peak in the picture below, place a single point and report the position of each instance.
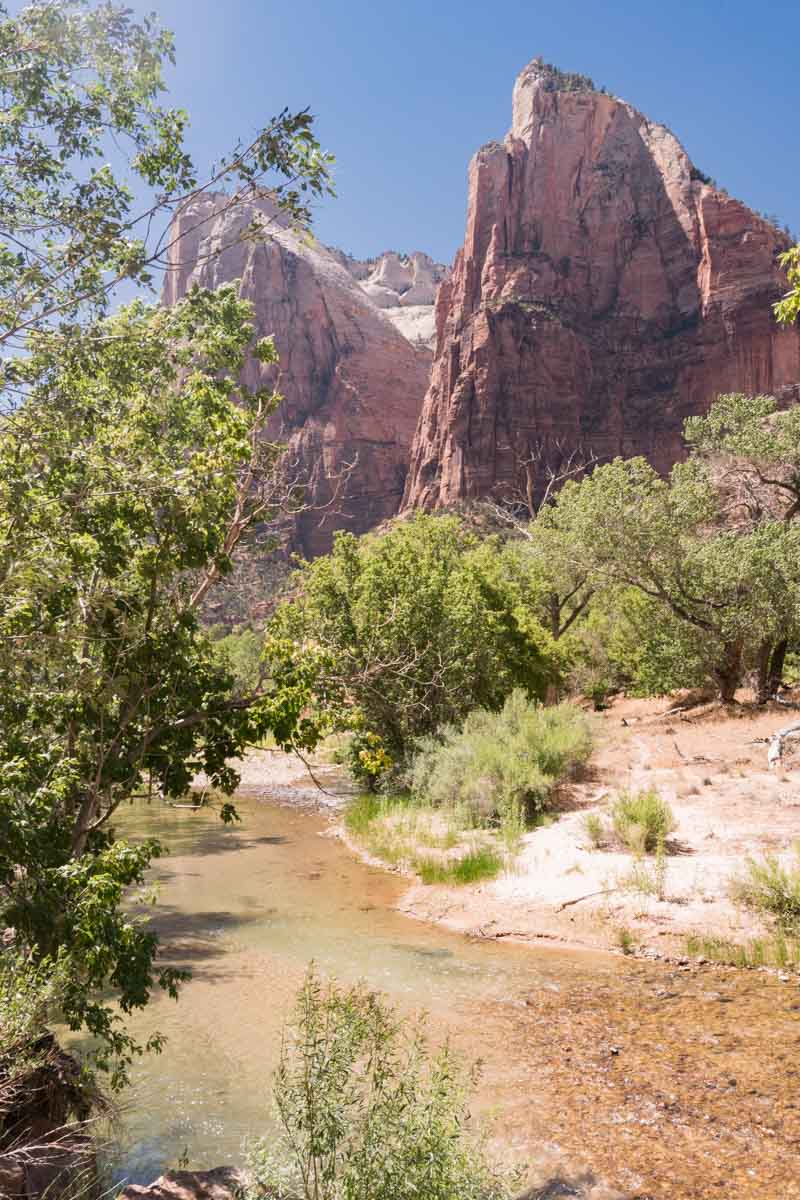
(540, 79)
(352, 369)
(605, 291)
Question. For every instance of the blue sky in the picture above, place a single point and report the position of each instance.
(405, 92)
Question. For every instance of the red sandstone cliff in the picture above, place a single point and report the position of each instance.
(353, 369)
(604, 293)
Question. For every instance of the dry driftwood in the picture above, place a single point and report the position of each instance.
(778, 742)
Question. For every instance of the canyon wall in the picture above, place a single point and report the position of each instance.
(354, 340)
(605, 291)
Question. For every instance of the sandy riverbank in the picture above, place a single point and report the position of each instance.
(711, 766)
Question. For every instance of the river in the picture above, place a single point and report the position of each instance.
(666, 1082)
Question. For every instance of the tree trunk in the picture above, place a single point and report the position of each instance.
(763, 672)
(728, 671)
(554, 615)
(769, 669)
(776, 664)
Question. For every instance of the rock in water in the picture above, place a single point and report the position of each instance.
(354, 345)
(605, 291)
(222, 1183)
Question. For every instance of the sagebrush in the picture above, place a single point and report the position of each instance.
(502, 767)
(643, 820)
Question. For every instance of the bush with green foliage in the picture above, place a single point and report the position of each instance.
(771, 889)
(366, 1109)
(406, 630)
(501, 767)
(628, 642)
(643, 820)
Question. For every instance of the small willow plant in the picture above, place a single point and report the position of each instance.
(365, 1108)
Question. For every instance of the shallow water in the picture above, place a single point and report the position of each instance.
(590, 1058)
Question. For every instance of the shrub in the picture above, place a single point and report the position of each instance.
(595, 830)
(501, 767)
(642, 820)
(770, 888)
(366, 1108)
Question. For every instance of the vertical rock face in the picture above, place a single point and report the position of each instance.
(353, 376)
(604, 293)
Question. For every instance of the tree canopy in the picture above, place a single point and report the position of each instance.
(408, 629)
(126, 480)
(673, 542)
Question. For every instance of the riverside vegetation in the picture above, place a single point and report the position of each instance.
(134, 469)
(365, 1108)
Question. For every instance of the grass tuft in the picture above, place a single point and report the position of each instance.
(772, 889)
(642, 820)
(595, 830)
(481, 863)
(774, 951)
(438, 846)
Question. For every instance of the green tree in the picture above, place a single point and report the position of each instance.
(127, 479)
(408, 630)
(787, 310)
(669, 540)
(79, 93)
(752, 451)
(132, 465)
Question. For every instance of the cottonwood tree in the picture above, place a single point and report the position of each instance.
(127, 479)
(404, 631)
(132, 465)
(667, 539)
